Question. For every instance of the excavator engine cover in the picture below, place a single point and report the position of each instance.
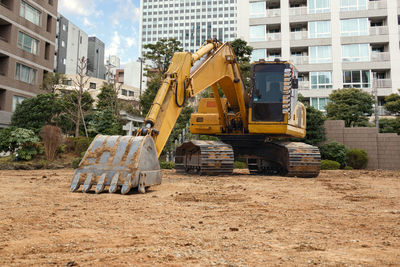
(124, 162)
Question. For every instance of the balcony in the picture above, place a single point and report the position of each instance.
(382, 111)
(275, 12)
(383, 83)
(275, 36)
(381, 56)
(300, 60)
(377, 5)
(379, 30)
(299, 35)
(295, 11)
(304, 85)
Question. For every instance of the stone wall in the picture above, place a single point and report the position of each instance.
(383, 149)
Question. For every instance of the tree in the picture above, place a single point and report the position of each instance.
(108, 98)
(105, 122)
(146, 99)
(243, 53)
(51, 80)
(393, 103)
(161, 53)
(351, 105)
(33, 113)
(389, 125)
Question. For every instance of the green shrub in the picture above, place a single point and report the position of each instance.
(239, 165)
(21, 143)
(327, 164)
(62, 149)
(334, 151)
(167, 165)
(357, 158)
(348, 168)
(75, 163)
(81, 144)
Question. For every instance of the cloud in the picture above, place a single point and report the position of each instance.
(88, 23)
(115, 45)
(77, 7)
(130, 41)
(126, 11)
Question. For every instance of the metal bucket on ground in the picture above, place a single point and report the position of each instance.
(123, 162)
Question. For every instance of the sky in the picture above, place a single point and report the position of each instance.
(115, 22)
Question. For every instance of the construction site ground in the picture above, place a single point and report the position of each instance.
(340, 218)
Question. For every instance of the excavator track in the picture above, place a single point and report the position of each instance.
(204, 157)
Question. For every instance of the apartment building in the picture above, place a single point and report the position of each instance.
(190, 21)
(27, 44)
(71, 45)
(334, 43)
(96, 50)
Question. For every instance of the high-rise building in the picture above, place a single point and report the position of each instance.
(190, 21)
(334, 44)
(96, 66)
(71, 46)
(27, 44)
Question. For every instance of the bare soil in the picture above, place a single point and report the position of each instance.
(340, 218)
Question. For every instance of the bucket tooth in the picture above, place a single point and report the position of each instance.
(100, 185)
(114, 183)
(76, 182)
(117, 161)
(88, 183)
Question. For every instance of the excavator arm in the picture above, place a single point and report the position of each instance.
(188, 75)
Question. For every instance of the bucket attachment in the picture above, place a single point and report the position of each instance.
(124, 162)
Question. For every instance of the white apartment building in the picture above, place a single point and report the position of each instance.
(333, 43)
(190, 21)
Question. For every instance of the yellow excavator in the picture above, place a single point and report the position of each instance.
(252, 125)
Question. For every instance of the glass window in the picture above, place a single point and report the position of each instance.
(319, 29)
(257, 33)
(357, 79)
(318, 6)
(30, 13)
(124, 92)
(258, 54)
(354, 27)
(131, 93)
(92, 85)
(349, 5)
(320, 54)
(319, 103)
(17, 100)
(321, 80)
(25, 74)
(27, 43)
(257, 9)
(355, 53)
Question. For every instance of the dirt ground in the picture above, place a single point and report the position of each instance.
(340, 218)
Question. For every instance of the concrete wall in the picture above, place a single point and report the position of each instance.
(383, 149)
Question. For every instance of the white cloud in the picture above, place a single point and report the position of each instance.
(88, 23)
(130, 42)
(77, 7)
(115, 45)
(126, 11)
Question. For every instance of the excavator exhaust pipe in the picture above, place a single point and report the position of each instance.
(118, 162)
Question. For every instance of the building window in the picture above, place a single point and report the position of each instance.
(258, 54)
(62, 43)
(64, 61)
(349, 5)
(92, 85)
(124, 92)
(320, 54)
(257, 33)
(319, 103)
(27, 43)
(321, 80)
(319, 29)
(354, 27)
(25, 74)
(64, 27)
(257, 9)
(67, 82)
(357, 79)
(30, 13)
(318, 6)
(355, 53)
(17, 100)
(131, 93)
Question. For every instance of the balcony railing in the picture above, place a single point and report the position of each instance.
(273, 36)
(304, 85)
(383, 83)
(377, 4)
(382, 111)
(379, 30)
(381, 56)
(299, 60)
(298, 11)
(299, 35)
(275, 12)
